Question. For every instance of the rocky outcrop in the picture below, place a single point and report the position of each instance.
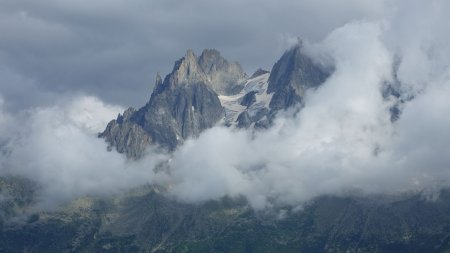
(126, 136)
(291, 76)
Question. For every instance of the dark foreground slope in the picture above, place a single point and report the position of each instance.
(147, 221)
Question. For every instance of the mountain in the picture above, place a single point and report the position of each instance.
(252, 101)
(180, 107)
(204, 91)
(199, 93)
(291, 76)
(145, 220)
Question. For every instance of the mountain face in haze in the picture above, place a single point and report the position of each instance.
(201, 92)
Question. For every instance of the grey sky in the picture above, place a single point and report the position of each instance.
(113, 49)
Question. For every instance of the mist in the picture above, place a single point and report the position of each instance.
(341, 143)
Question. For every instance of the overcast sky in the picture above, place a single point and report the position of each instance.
(114, 48)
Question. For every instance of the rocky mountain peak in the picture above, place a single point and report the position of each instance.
(292, 75)
(224, 78)
(210, 68)
(181, 106)
(211, 60)
(187, 101)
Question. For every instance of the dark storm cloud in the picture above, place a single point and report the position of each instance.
(113, 49)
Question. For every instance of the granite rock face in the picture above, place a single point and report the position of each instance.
(180, 107)
(291, 76)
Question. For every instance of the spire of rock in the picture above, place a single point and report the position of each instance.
(186, 70)
(158, 80)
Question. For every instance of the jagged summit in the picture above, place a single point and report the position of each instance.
(210, 59)
(211, 68)
(292, 75)
(181, 106)
(185, 71)
(158, 81)
(203, 91)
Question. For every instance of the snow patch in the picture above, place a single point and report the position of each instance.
(232, 104)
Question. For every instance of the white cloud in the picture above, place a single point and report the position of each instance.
(341, 142)
(91, 114)
(58, 147)
(325, 149)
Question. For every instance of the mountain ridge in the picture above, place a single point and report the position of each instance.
(205, 91)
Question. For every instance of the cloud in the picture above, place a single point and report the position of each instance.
(342, 142)
(58, 148)
(422, 43)
(326, 149)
